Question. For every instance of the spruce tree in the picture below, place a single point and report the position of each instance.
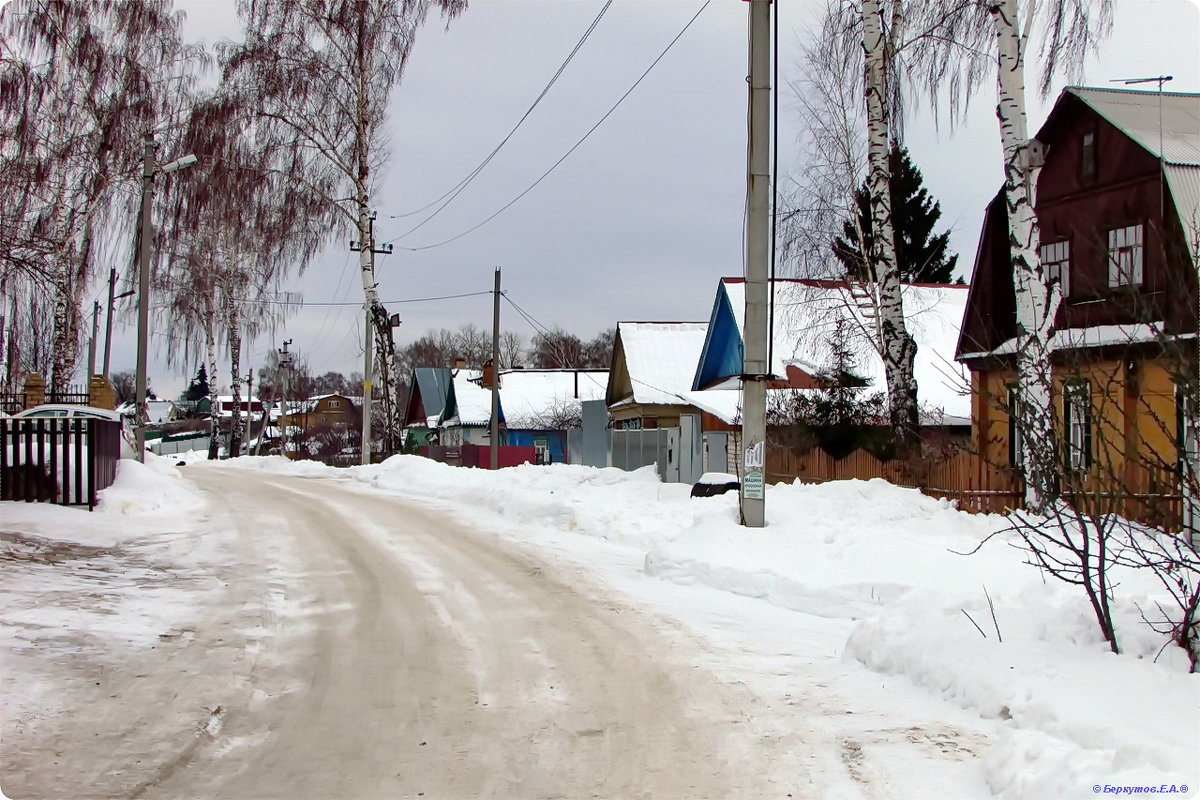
(921, 255)
(198, 388)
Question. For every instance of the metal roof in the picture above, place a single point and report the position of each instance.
(1136, 113)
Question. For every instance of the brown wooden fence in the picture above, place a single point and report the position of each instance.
(1149, 495)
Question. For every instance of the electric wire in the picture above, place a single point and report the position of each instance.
(454, 191)
(574, 147)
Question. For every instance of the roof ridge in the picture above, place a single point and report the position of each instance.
(1139, 92)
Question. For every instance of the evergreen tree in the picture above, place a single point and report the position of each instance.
(198, 388)
(921, 255)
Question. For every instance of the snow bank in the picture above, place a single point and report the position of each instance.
(889, 565)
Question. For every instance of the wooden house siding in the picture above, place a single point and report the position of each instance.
(1125, 190)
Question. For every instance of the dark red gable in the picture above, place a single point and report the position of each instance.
(1080, 202)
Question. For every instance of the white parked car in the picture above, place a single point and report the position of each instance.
(64, 410)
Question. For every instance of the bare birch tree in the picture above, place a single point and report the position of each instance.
(96, 77)
(321, 72)
(953, 60)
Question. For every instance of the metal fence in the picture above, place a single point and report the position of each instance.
(58, 460)
(12, 402)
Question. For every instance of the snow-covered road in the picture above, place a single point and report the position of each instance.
(362, 647)
(262, 628)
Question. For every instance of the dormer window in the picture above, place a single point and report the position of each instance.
(1088, 155)
(1125, 250)
(1056, 264)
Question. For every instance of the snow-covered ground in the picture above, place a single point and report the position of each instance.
(850, 610)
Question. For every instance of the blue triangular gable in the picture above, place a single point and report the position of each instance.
(723, 353)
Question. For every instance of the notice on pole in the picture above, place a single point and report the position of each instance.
(753, 459)
(752, 486)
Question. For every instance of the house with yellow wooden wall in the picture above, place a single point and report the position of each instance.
(1118, 203)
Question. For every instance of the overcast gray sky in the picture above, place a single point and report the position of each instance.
(643, 219)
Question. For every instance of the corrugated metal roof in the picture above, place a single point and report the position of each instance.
(1136, 113)
(1185, 188)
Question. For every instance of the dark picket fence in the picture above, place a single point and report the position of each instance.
(58, 460)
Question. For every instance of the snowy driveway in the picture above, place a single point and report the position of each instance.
(361, 647)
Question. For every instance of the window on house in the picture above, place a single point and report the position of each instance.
(1187, 427)
(1088, 153)
(1125, 249)
(1016, 456)
(335, 403)
(1077, 422)
(1056, 264)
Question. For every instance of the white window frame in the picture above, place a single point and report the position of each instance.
(1056, 264)
(1016, 449)
(1077, 415)
(1126, 249)
(335, 403)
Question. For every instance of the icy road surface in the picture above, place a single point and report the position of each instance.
(360, 647)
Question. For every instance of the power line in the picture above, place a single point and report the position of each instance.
(574, 147)
(253, 301)
(539, 327)
(461, 185)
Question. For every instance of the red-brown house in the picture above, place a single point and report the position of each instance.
(1117, 203)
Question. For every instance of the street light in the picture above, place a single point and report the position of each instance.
(149, 169)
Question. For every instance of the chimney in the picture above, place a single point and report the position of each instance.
(489, 374)
(460, 363)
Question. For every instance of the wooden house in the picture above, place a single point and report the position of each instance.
(1117, 204)
(653, 364)
(332, 411)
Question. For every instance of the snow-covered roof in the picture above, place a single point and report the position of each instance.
(1095, 336)
(472, 403)
(531, 397)
(806, 315)
(661, 358)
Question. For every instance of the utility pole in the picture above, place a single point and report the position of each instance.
(755, 369)
(112, 285)
(285, 362)
(366, 262)
(92, 343)
(495, 432)
(149, 168)
(250, 405)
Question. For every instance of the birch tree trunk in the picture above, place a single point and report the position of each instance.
(1037, 304)
(897, 346)
(214, 424)
(235, 428)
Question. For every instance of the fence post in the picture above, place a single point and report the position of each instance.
(101, 393)
(35, 390)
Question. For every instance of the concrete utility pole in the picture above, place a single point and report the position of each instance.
(755, 369)
(495, 431)
(112, 285)
(285, 362)
(92, 342)
(366, 262)
(150, 168)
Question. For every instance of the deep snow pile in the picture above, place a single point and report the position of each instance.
(888, 563)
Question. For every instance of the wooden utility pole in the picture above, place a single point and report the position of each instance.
(755, 369)
(495, 431)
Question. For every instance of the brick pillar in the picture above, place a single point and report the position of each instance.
(35, 390)
(101, 393)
